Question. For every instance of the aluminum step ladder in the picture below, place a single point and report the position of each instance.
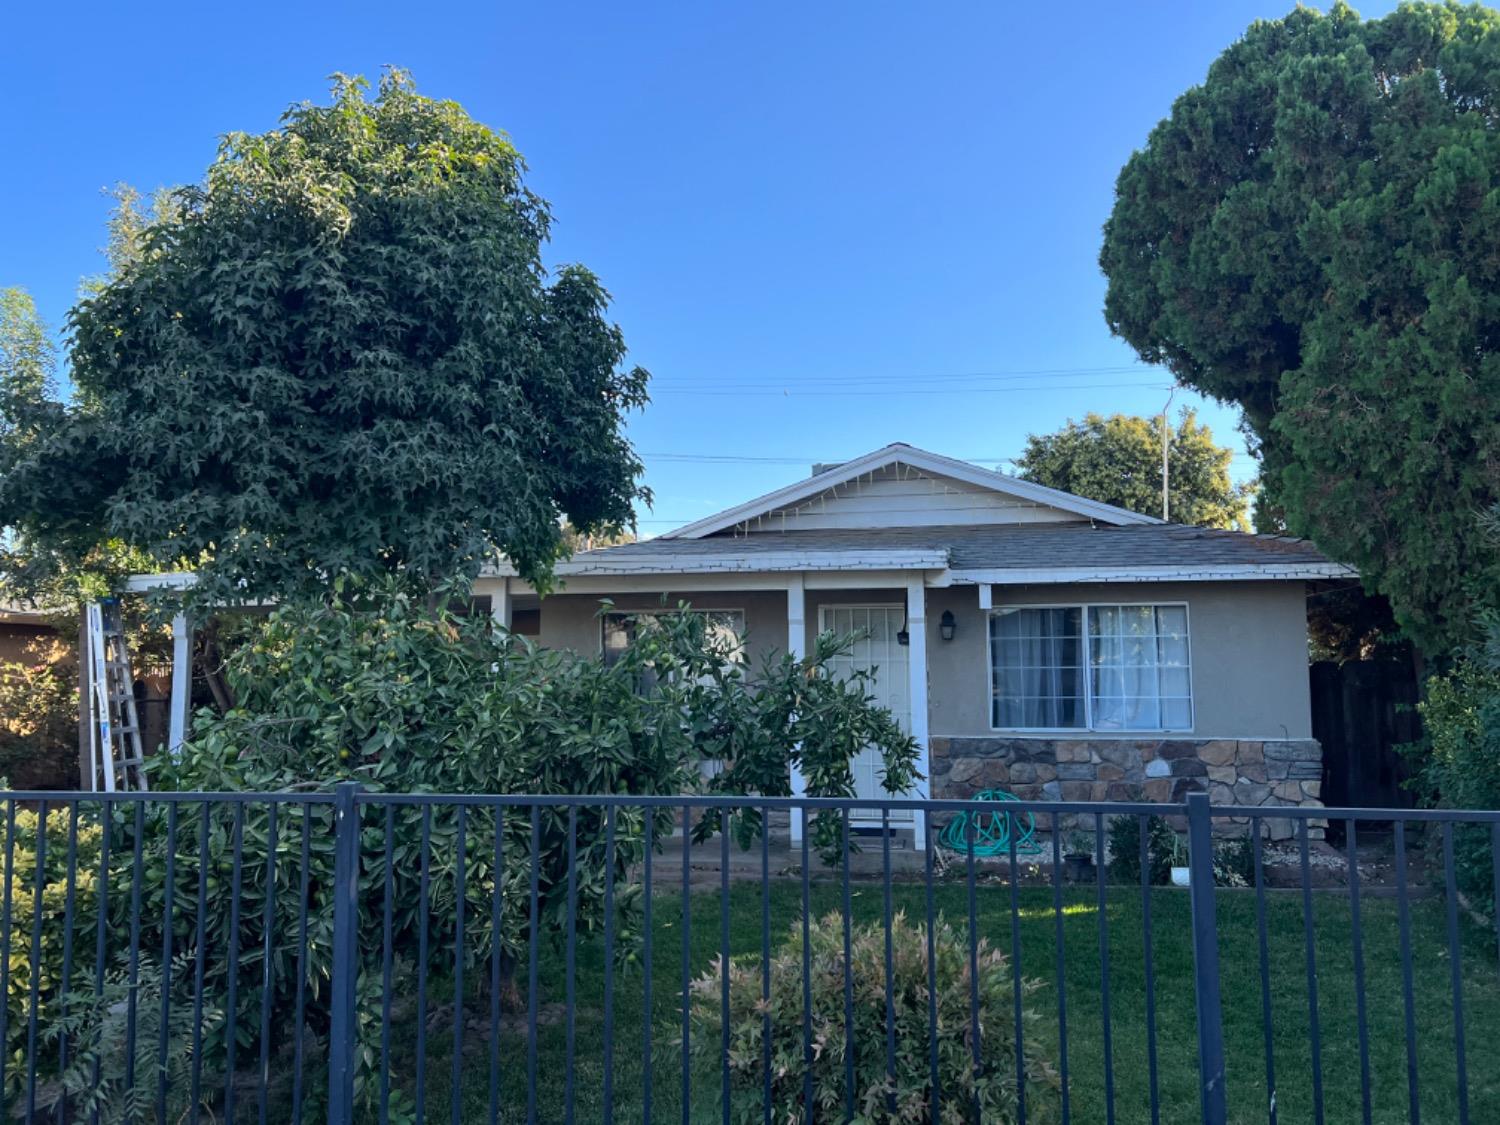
(116, 753)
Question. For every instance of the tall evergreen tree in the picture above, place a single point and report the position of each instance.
(1312, 234)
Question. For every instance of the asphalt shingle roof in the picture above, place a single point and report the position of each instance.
(996, 547)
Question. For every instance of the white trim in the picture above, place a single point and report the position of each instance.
(741, 562)
(986, 597)
(796, 647)
(144, 583)
(182, 682)
(1088, 694)
(917, 459)
(501, 603)
(919, 722)
(715, 583)
(1229, 572)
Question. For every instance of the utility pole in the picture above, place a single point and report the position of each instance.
(1166, 441)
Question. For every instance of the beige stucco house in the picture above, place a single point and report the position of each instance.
(1029, 639)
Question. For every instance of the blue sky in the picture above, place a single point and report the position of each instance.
(826, 226)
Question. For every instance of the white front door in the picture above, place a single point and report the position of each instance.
(878, 651)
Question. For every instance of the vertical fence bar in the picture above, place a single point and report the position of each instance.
(387, 958)
(724, 817)
(268, 930)
(1212, 1097)
(648, 834)
(975, 1045)
(687, 973)
(299, 1034)
(807, 1050)
(232, 959)
(1408, 990)
(1108, 1030)
(934, 1084)
(1144, 823)
(609, 964)
(1357, 937)
(1062, 979)
(106, 821)
(1456, 971)
(1012, 824)
(344, 957)
(424, 923)
(5, 919)
(70, 893)
(765, 962)
(849, 1046)
(570, 978)
(890, 960)
(532, 990)
(200, 963)
(460, 901)
(1309, 939)
(132, 1003)
(164, 1031)
(39, 883)
(1495, 873)
(497, 905)
(1263, 940)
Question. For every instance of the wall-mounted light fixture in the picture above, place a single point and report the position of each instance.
(946, 625)
(903, 636)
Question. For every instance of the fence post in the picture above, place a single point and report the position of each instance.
(1206, 961)
(345, 955)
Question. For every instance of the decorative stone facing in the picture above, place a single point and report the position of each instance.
(1231, 771)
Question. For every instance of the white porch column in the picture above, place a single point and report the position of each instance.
(796, 646)
(500, 604)
(916, 624)
(182, 682)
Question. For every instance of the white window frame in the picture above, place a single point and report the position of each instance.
(1087, 668)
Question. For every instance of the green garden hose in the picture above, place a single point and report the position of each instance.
(991, 830)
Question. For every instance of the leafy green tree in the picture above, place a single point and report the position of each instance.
(1311, 234)
(340, 352)
(1117, 460)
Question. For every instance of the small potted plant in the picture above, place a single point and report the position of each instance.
(1078, 857)
(1181, 872)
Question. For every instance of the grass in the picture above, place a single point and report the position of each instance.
(1175, 1007)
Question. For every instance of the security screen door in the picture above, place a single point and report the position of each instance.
(877, 649)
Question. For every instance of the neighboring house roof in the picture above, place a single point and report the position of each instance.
(995, 554)
(900, 453)
(16, 613)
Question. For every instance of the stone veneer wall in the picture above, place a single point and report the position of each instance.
(1256, 774)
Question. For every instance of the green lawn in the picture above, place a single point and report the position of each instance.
(1174, 997)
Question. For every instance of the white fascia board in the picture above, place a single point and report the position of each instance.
(917, 459)
(610, 585)
(1232, 572)
(145, 583)
(743, 562)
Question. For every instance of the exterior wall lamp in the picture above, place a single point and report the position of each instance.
(946, 625)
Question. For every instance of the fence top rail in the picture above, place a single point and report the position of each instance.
(722, 801)
(168, 796)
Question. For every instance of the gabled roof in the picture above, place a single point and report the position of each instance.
(903, 454)
(1074, 552)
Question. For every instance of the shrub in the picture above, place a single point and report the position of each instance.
(1234, 862)
(39, 718)
(1460, 756)
(909, 1097)
(108, 1085)
(376, 687)
(21, 877)
(1125, 849)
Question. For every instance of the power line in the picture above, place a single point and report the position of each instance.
(971, 376)
(789, 392)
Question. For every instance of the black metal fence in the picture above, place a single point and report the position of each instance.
(356, 956)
